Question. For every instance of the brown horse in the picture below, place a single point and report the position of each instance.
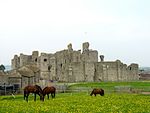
(33, 89)
(97, 91)
(49, 90)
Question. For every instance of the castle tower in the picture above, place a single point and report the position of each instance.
(52, 68)
(25, 59)
(15, 62)
(85, 47)
(35, 55)
(44, 69)
(87, 54)
(70, 48)
(133, 72)
(89, 57)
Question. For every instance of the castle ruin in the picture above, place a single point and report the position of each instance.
(73, 66)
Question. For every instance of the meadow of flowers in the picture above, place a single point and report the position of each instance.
(78, 103)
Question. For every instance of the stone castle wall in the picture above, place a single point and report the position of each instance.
(74, 66)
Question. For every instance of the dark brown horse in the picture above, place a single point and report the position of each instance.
(49, 90)
(33, 89)
(97, 91)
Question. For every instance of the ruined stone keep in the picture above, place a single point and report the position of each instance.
(69, 65)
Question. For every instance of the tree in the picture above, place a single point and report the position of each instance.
(2, 67)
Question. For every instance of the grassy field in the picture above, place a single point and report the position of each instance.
(81, 102)
(110, 86)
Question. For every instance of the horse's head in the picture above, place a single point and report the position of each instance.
(91, 93)
(41, 97)
(39, 92)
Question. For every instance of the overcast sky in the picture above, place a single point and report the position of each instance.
(118, 29)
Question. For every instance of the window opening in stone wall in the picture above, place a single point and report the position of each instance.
(49, 67)
(130, 68)
(36, 60)
(45, 60)
(61, 65)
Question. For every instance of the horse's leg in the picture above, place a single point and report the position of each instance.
(48, 96)
(24, 95)
(52, 95)
(27, 97)
(95, 95)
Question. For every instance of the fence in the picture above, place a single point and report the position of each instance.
(9, 89)
(63, 88)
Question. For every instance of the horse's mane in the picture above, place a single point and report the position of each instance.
(38, 87)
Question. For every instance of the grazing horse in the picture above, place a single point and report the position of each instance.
(97, 91)
(33, 89)
(49, 90)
